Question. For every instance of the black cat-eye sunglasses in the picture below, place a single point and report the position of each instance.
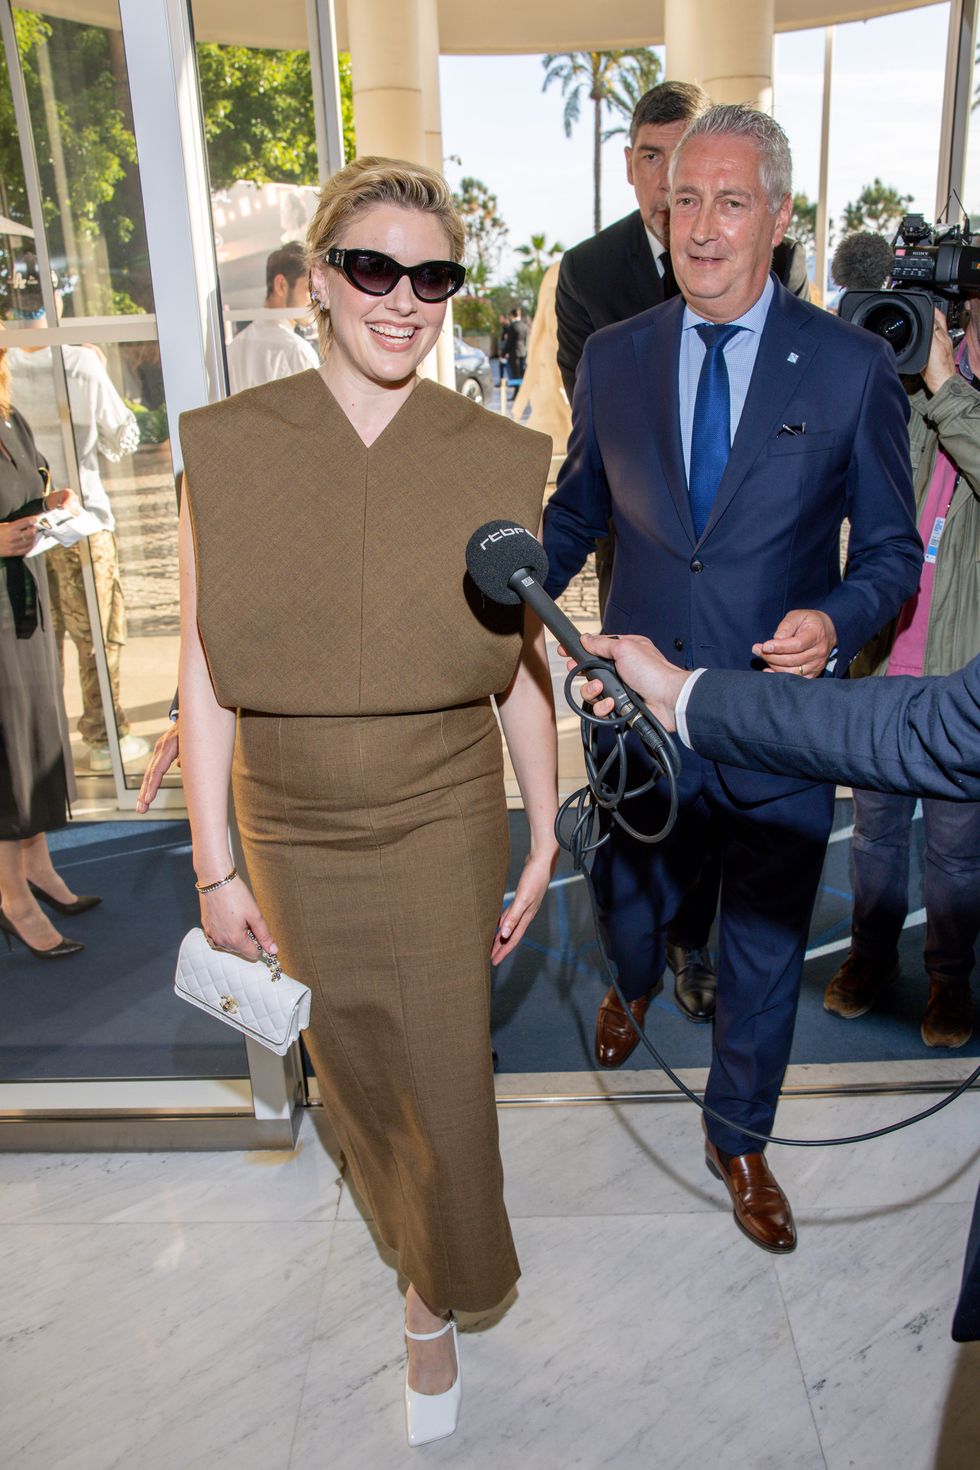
(377, 274)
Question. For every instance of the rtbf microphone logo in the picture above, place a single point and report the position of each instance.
(505, 531)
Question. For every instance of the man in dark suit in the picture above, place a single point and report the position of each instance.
(912, 737)
(623, 270)
(728, 433)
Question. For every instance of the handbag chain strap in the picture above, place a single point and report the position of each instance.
(271, 960)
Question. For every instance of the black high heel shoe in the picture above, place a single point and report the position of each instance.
(81, 905)
(63, 947)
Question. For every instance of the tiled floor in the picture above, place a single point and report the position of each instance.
(221, 1310)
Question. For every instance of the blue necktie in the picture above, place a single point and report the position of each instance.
(711, 437)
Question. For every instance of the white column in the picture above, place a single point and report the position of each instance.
(823, 219)
(386, 75)
(738, 51)
(684, 40)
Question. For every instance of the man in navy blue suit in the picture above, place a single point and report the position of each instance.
(728, 433)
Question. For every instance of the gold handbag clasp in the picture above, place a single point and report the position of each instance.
(229, 1005)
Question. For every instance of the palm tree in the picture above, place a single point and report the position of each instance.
(633, 85)
(604, 77)
(538, 255)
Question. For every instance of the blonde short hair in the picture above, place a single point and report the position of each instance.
(369, 181)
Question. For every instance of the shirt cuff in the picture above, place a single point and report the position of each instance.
(680, 709)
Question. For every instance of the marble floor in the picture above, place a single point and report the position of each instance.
(223, 1310)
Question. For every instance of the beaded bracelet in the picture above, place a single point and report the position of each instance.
(210, 887)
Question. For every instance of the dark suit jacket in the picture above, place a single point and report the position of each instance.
(917, 736)
(772, 541)
(611, 276)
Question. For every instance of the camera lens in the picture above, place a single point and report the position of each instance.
(893, 321)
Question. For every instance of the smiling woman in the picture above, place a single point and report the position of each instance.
(370, 801)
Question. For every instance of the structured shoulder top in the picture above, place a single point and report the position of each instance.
(331, 576)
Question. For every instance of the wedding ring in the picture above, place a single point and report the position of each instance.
(801, 668)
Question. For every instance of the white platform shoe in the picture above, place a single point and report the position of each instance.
(433, 1415)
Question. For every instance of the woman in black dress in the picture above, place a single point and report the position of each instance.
(33, 786)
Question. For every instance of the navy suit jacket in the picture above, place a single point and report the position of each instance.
(920, 737)
(772, 541)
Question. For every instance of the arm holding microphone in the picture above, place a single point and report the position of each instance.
(917, 736)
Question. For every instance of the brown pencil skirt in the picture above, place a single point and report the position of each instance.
(377, 851)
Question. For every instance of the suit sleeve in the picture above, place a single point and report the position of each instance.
(909, 736)
(577, 515)
(884, 554)
(575, 325)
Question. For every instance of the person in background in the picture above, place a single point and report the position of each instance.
(936, 632)
(515, 344)
(272, 348)
(33, 784)
(102, 425)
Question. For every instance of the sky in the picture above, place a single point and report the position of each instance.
(885, 122)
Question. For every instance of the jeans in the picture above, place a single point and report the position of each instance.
(951, 879)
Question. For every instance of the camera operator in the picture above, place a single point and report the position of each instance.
(936, 632)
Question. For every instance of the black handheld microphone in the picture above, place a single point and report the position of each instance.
(508, 565)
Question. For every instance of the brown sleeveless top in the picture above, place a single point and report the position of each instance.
(331, 577)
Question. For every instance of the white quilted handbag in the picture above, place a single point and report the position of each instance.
(256, 998)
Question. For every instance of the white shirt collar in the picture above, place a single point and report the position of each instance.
(658, 248)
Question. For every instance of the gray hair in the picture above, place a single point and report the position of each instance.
(738, 121)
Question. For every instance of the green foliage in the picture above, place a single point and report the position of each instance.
(633, 83)
(609, 79)
(878, 207)
(486, 232)
(538, 256)
(475, 314)
(258, 115)
(151, 422)
(803, 222)
(258, 121)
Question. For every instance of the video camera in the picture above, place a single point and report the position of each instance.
(930, 267)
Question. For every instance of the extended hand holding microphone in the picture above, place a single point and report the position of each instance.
(508, 564)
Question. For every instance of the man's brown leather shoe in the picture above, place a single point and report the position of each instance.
(761, 1210)
(854, 989)
(615, 1039)
(948, 1020)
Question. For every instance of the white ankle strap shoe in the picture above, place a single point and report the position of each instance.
(433, 1415)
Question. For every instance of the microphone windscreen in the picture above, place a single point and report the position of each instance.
(862, 262)
(499, 549)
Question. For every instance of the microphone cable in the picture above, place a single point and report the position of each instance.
(597, 805)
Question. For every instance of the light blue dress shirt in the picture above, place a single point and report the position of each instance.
(740, 354)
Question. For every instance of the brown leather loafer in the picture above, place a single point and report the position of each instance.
(615, 1039)
(948, 1020)
(761, 1210)
(854, 989)
(695, 982)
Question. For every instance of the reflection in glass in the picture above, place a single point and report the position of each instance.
(77, 92)
(125, 478)
(261, 141)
